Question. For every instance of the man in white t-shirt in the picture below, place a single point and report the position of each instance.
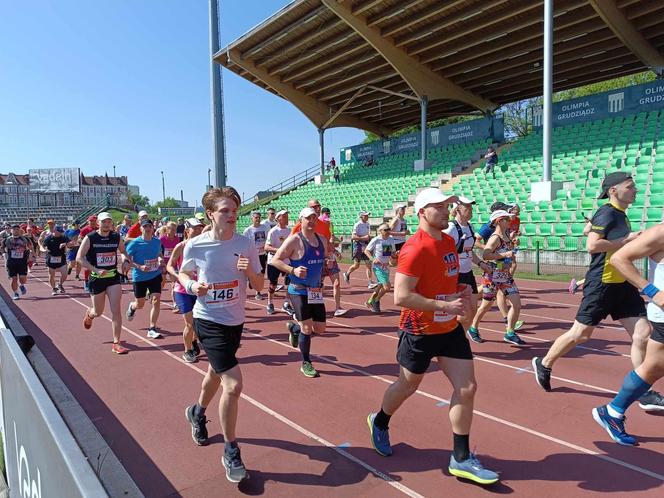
(224, 263)
(360, 237)
(257, 232)
(276, 237)
(271, 220)
(399, 227)
(380, 250)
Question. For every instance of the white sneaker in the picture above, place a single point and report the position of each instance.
(372, 285)
(16, 296)
(340, 312)
(153, 334)
(278, 288)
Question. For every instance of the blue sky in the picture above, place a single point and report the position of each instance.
(93, 84)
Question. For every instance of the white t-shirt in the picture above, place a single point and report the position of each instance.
(275, 237)
(466, 257)
(269, 224)
(361, 229)
(215, 262)
(382, 249)
(400, 226)
(258, 235)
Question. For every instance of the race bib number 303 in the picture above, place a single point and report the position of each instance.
(106, 259)
(223, 294)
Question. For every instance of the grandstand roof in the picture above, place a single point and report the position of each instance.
(364, 63)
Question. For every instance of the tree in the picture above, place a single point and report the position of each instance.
(139, 200)
(169, 202)
(372, 137)
(605, 86)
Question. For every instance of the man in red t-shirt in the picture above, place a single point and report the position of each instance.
(87, 229)
(135, 230)
(426, 287)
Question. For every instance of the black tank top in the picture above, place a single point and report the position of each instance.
(103, 252)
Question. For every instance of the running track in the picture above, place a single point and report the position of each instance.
(304, 436)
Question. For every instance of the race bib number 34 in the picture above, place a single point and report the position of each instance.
(223, 294)
(314, 295)
(106, 259)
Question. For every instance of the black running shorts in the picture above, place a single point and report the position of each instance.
(17, 268)
(415, 352)
(601, 300)
(263, 260)
(468, 279)
(153, 285)
(99, 285)
(273, 275)
(305, 311)
(220, 342)
(657, 332)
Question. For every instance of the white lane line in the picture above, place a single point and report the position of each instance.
(264, 408)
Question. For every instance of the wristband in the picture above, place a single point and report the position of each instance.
(650, 290)
(188, 287)
(292, 271)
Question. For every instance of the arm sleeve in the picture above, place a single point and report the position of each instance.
(601, 222)
(409, 264)
(372, 245)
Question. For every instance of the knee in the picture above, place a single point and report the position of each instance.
(271, 288)
(466, 393)
(139, 303)
(233, 389)
(641, 334)
(581, 334)
(155, 299)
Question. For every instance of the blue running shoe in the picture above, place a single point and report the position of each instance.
(380, 438)
(614, 426)
(473, 470)
(474, 335)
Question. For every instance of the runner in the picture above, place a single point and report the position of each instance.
(427, 290)
(399, 227)
(185, 302)
(638, 382)
(606, 291)
(55, 246)
(124, 226)
(225, 262)
(73, 234)
(86, 230)
(17, 251)
(381, 250)
(360, 237)
(168, 243)
(463, 235)
(331, 268)
(271, 220)
(257, 232)
(180, 229)
(500, 253)
(146, 275)
(306, 252)
(275, 238)
(98, 255)
(136, 230)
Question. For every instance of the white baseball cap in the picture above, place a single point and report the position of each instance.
(282, 212)
(432, 196)
(306, 212)
(193, 222)
(142, 213)
(365, 213)
(465, 200)
(499, 213)
(104, 216)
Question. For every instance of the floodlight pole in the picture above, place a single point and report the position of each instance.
(548, 90)
(321, 142)
(218, 136)
(424, 103)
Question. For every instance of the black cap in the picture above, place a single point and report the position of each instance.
(146, 221)
(499, 205)
(611, 180)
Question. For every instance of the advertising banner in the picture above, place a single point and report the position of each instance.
(51, 180)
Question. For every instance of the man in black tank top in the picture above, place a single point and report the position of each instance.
(99, 255)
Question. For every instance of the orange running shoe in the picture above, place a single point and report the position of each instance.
(119, 349)
(87, 320)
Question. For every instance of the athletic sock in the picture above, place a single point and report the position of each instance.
(229, 446)
(382, 420)
(199, 411)
(304, 344)
(632, 389)
(461, 447)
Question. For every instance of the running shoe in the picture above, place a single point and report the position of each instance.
(308, 369)
(175, 309)
(278, 288)
(375, 307)
(153, 333)
(513, 338)
(472, 470)
(346, 277)
(69, 271)
(380, 438)
(130, 312)
(614, 426)
(542, 373)
(16, 296)
(189, 356)
(119, 349)
(54, 292)
(340, 312)
(518, 325)
(652, 401)
(293, 335)
(78, 277)
(372, 285)
(86, 287)
(23, 290)
(61, 289)
(199, 432)
(474, 335)
(288, 309)
(369, 304)
(573, 286)
(87, 320)
(235, 470)
(195, 348)
(259, 296)
(270, 309)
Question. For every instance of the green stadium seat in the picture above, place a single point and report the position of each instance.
(553, 243)
(577, 229)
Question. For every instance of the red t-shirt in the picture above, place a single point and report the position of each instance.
(87, 229)
(322, 228)
(435, 263)
(134, 231)
(515, 224)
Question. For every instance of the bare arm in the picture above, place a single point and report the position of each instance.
(596, 243)
(490, 250)
(175, 257)
(286, 251)
(406, 297)
(82, 252)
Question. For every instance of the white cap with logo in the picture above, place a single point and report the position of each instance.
(499, 213)
(432, 196)
(306, 212)
(104, 216)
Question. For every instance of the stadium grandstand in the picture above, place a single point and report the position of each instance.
(64, 194)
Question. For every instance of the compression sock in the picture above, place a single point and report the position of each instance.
(632, 389)
(382, 419)
(461, 447)
(304, 344)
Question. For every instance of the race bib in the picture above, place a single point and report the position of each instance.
(314, 295)
(500, 274)
(223, 294)
(152, 264)
(167, 252)
(16, 253)
(441, 316)
(106, 259)
(55, 259)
